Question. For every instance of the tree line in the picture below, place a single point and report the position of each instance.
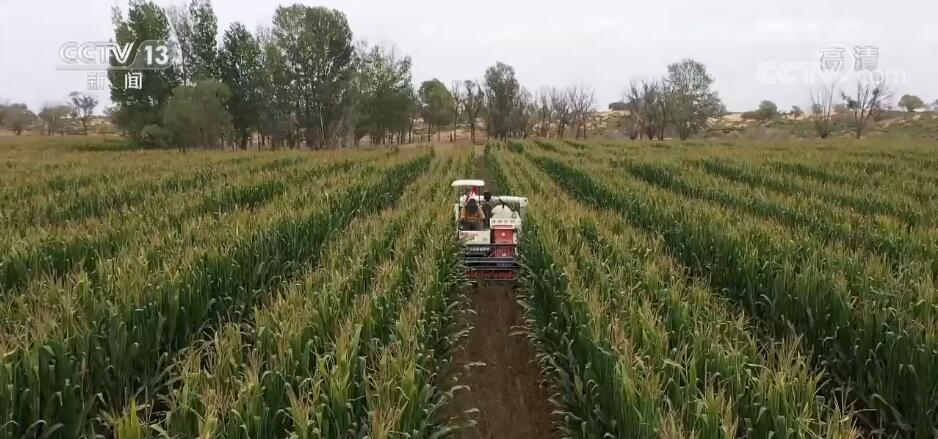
(53, 118)
(304, 81)
(681, 102)
(869, 100)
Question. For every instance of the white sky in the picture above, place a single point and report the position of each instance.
(600, 43)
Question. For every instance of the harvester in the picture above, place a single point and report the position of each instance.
(490, 244)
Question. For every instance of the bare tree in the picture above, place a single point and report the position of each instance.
(457, 101)
(872, 92)
(544, 112)
(638, 99)
(822, 108)
(582, 99)
(472, 104)
(560, 104)
(658, 106)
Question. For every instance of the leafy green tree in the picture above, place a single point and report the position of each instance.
(180, 22)
(278, 122)
(387, 100)
(83, 106)
(319, 67)
(767, 110)
(137, 108)
(911, 103)
(522, 116)
(204, 57)
(501, 90)
(195, 28)
(52, 118)
(17, 117)
(437, 105)
(241, 70)
(692, 100)
(196, 115)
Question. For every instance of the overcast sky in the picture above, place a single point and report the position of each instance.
(754, 49)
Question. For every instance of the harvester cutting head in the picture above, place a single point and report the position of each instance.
(490, 228)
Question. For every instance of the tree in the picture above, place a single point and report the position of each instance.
(911, 103)
(137, 108)
(387, 100)
(196, 115)
(635, 99)
(473, 103)
(867, 102)
(560, 107)
(822, 108)
(501, 90)
(83, 106)
(544, 112)
(692, 100)
(457, 102)
(521, 117)
(278, 122)
(319, 66)
(767, 110)
(796, 112)
(437, 104)
(195, 28)
(181, 25)
(241, 70)
(204, 33)
(651, 100)
(51, 116)
(17, 117)
(618, 106)
(582, 100)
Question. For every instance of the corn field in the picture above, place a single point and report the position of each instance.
(253, 295)
(706, 290)
(670, 290)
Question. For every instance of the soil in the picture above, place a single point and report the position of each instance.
(498, 365)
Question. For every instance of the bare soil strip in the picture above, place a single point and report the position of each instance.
(499, 368)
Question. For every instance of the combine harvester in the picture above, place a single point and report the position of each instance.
(490, 245)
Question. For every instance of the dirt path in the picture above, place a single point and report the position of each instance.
(499, 368)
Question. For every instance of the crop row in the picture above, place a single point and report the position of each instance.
(902, 246)
(347, 350)
(875, 334)
(114, 339)
(638, 348)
